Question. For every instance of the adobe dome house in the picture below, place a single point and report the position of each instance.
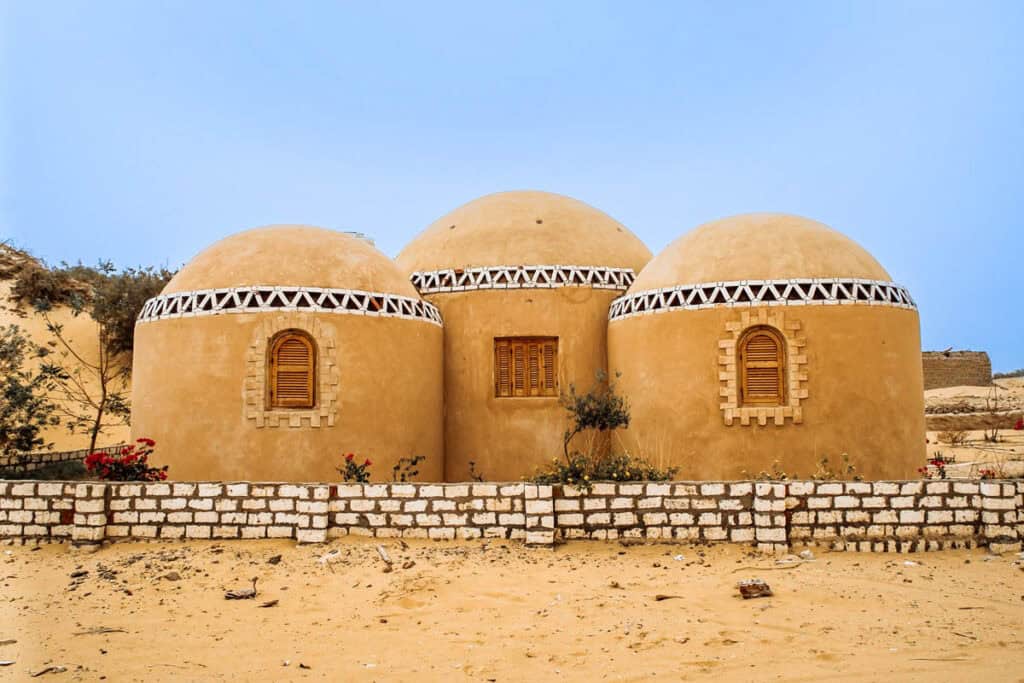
(523, 281)
(768, 337)
(277, 350)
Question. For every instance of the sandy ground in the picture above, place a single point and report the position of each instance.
(501, 612)
(1007, 395)
(969, 408)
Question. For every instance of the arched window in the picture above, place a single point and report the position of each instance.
(292, 370)
(762, 367)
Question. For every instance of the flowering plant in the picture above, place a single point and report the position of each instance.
(987, 473)
(938, 462)
(131, 463)
(353, 471)
(1019, 424)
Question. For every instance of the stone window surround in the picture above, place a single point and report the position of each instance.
(256, 403)
(796, 370)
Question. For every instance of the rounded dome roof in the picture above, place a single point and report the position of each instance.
(524, 228)
(293, 256)
(758, 246)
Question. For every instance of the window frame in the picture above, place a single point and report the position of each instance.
(276, 342)
(780, 398)
(543, 366)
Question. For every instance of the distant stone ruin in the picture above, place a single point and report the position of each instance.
(956, 368)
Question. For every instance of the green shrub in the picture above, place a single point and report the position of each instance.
(583, 470)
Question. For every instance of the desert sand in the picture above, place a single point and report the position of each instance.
(978, 411)
(499, 611)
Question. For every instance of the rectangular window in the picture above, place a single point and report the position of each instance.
(525, 366)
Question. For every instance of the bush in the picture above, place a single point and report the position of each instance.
(953, 437)
(130, 464)
(406, 468)
(603, 410)
(600, 408)
(824, 472)
(351, 471)
(69, 470)
(583, 470)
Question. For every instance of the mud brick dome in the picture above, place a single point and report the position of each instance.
(277, 350)
(523, 281)
(767, 338)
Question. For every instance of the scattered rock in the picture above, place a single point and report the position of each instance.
(243, 593)
(79, 573)
(408, 564)
(274, 560)
(269, 603)
(660, 596)
(754, 588)
(806, 555)
(172, 576)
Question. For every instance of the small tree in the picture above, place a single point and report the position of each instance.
(600, 408)
(25, 409)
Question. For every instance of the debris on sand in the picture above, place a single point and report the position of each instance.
(269, 603)
(99, 630)
(660, 596)
(244, 593)
(754, 588)
(50, 670)
(274, 560)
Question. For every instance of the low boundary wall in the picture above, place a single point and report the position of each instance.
(893, 516)
(28, 462)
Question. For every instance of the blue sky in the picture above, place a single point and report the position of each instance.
(143, 131)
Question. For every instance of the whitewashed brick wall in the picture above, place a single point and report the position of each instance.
(773, 516)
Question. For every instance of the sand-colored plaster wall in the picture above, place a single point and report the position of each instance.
(524, 228)
(292, 255)
(865, 393)
(508, 437)
(81, 331)
(190, 377)
(759, 246)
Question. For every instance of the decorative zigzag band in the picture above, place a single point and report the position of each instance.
(796, 292)
(262, 299)
(521, 277)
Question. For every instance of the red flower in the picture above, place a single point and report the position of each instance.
(146, 441)
(1020, 424)
(367, 463)
(350, 456)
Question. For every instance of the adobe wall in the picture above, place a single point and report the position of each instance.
(857, 374)
(380, 396)
(882, 516)
(956, 369)
(508, 438)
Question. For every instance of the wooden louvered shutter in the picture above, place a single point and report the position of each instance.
(502, 368)
(533, 367)
(549, 355)
(292, 371)
(762, 366)
(525, 366)
(518, 369)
